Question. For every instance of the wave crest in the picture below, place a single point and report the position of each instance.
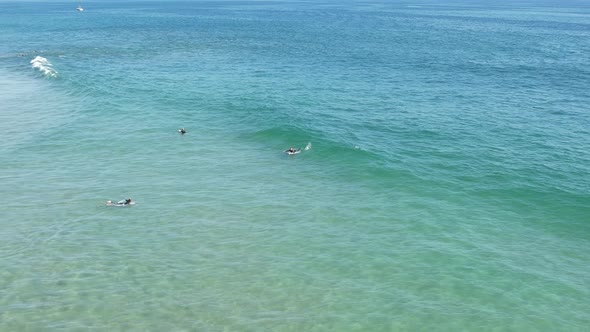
(43, 66)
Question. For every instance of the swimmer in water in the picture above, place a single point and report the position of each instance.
(182, 131)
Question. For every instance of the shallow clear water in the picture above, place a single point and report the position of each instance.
(446, 187)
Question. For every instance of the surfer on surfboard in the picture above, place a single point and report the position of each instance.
(291, 150)
(124, 202)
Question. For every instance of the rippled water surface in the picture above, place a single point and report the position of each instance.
(446, 187)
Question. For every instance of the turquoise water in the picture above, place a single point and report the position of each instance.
(447, 186)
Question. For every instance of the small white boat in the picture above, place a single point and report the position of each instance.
(80, 9)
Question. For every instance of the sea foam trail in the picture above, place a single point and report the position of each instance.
(44, 66)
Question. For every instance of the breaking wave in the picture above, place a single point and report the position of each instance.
(43, 66)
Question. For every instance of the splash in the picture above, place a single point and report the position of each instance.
(308, 146)
(44, 66)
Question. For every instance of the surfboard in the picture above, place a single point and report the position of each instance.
(111, 203)
(294, 152)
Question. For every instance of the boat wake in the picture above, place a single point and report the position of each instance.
(43, 66)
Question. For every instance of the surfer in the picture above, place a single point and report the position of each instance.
(182, 131)
(123, 202)
(292, 150)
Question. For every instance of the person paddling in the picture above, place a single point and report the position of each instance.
(123, 202)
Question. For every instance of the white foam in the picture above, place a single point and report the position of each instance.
(308, 146)
(44, 66)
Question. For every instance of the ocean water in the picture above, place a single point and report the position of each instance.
(447, 187)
